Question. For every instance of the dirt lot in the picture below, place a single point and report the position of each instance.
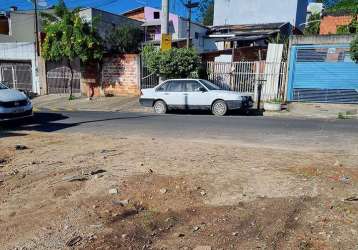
(85, 192)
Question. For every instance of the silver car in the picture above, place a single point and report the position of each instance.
(13, 104)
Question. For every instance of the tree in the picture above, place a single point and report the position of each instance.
(354, 49)
(173, 63)
(313, 24)
(125, 39)
(207, 12)
(69, 37)
(340, 5)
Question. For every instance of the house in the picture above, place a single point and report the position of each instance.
(177, 27)
(240, 12)
(248, 26)
(19, 64)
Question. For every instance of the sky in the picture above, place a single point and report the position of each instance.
(114, 6)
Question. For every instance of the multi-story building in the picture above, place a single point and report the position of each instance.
(178, 28)
(239, 12)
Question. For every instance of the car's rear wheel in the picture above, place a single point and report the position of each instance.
(160, 107)
(219, 108)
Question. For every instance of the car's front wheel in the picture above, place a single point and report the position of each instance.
(160, 107)
(219, 108)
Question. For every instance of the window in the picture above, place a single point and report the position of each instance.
(196, 35)
(163, 87)
(2, 86)
(176, 86)
(192, 86)
(209, 85)
(4, 25)
(156, 15)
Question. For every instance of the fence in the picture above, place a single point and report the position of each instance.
(148, 80)
(17, 75)
(245, 77)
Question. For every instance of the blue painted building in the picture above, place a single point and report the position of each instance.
(321, 70)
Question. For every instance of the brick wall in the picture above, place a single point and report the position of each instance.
(329, 24)
(120, 76)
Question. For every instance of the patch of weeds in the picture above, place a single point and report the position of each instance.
(309, 172)
(351, 112)
(346, 115)
(305, 245)
(149, 220)
(72, 97)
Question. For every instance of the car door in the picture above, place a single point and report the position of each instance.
(197, 96)
(173, 94)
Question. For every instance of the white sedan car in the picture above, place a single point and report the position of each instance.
(193, 94)
(13, 104)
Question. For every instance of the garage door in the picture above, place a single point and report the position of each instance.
(322, 74)
(58, 76)
(17, 75)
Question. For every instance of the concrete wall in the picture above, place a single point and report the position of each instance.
(107, 22)
(199, 42)
(21, 52)
(259, 11)
(326, 39)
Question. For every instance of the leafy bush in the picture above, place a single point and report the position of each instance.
(354, 49)
(313, 25)
(173, 63)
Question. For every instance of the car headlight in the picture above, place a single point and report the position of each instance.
(28, 101)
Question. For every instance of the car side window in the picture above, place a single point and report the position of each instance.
(163, 87)
(192, 86)
(176, 86)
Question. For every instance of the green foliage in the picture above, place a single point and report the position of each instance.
(69, 37)
(125, 39)
(207, 12)
(275, 101)
(351, 28)
(313, 25)
(341, 6)
(173, 63)
(354, 49)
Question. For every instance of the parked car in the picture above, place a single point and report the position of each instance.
(193, 94)
(13, 104)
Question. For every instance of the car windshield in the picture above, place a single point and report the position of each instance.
(3, 86)
(209, 85)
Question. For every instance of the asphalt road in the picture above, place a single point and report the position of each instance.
(321, 135)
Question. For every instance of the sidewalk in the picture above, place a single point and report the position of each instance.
(318, 110)
(111, 104)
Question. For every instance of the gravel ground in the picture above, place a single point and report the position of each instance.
(112, 192)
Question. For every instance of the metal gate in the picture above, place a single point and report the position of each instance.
(17, 75)
(58, 76)
(246, 75)
(148, 80)
(322, 73)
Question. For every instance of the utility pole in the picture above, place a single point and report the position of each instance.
(36, 30)
(190, 6)
(165, 18)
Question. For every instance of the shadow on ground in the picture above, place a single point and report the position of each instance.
(52, 122)
(250, 112)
